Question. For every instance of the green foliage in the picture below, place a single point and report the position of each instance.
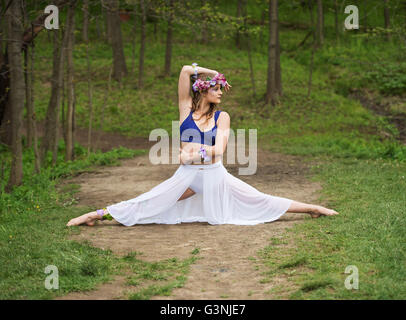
(389, 77)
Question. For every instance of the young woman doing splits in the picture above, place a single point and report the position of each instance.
(201, 189)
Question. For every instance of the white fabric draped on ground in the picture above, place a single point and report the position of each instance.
(225, 200)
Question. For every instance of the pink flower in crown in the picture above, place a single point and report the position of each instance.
(200, 85)
(220, 78)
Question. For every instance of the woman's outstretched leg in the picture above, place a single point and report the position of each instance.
(90, 218)
(314, 210)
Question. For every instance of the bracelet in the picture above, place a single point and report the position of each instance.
(203, 155)
(194, 64)
(104, 214)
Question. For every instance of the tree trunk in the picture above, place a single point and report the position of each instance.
(142, 48)
(278, 72)
(337, 29)
(28, 37)
(101, 121)
(313, 49)
(5, 110)
(106, 9)
(63, 113)
(119, 64)
(168, 52)
(365, 16)
(90, 101)
(387, 19)
(320, 23)
(2, 31)
(28, 90)
(70, 86)
(85, 32)
(271, 93)
(237, 35)
(50, 139)
(27, 84)
(254, 94)
(17, 90)
(55, 125)
(134, 37)
(37, 160)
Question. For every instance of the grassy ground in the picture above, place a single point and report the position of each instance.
(33, 236)
(369, 234)
(363, 173)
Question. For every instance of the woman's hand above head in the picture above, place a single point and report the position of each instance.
(227, 87)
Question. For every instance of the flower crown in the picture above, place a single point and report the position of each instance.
(200, 85)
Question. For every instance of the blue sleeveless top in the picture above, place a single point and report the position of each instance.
(190, 132)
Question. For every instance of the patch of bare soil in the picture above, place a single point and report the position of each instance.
(383, 106)
(226, 269)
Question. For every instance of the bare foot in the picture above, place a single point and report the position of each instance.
(88, 218)
(319, 210)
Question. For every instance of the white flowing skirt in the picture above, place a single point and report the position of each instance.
(220, 198)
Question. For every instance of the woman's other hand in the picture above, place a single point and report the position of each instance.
(227, 87)
(186, 156)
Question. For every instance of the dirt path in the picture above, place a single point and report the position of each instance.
(225, 270)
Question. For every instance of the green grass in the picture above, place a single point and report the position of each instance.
(369, 233)
(33, 233)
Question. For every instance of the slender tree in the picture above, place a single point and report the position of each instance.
(90, 100)
(101, 121)
(28, 101)
(28, 36)
(34, 121)
(168, 51)
(239, 13)
(143, 41)
(249, 51)
(50, 139)
(134, 36)
(273, 77)
(17, 89)
(2, 29)
(107, 13)
(336, 26)
(313, 48)
(365, 15)
(387, 18)
(119, 64)
(70, 84)
(320, 23)
(85, 31)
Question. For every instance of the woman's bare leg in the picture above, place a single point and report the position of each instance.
(314, 210)
(91, 217)
(188, 193)
(88, 218)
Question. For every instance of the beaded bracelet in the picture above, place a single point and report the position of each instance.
(203, 154)
(194, 64)
(104, 214)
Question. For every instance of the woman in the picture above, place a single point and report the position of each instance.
(201, 189)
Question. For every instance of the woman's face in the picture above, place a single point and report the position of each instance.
(214, 94)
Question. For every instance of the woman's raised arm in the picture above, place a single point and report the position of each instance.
(185, 100)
